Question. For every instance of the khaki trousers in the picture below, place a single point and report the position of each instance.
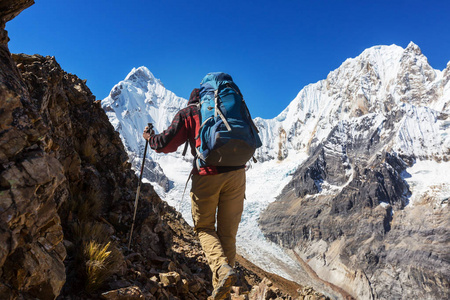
(221, 195)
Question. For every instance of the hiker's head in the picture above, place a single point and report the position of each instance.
(195, 96)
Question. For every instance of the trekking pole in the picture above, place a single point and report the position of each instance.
(150, 127)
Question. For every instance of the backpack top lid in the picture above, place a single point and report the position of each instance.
(215, 79)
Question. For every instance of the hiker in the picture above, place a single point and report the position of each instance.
(214, 189)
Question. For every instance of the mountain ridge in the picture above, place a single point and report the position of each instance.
(357, 174)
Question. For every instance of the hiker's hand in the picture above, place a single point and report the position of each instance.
(148, 133)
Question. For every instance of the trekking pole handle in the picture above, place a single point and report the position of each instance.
(150, 127)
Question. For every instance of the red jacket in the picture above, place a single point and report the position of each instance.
(185, 127)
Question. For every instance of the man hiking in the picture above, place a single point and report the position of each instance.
(217, 196)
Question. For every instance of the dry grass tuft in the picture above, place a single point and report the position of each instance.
(98, 258)
(101, 262)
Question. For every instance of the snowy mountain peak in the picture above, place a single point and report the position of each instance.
(381, 80)
(141, 74)
(412, 47)
(137, 100)
(134, 102)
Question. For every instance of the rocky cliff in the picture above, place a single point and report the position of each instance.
(32, 183)
(67, 193)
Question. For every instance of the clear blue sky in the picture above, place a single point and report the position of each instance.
(271, 48)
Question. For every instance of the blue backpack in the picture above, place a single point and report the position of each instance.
(228, 136)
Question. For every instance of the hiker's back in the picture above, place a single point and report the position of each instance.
(228, 136)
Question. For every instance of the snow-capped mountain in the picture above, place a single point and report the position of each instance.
(376, 135)
(381, 80)
(133, 103)
(378, 125)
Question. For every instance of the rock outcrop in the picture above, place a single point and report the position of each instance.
(32, 186)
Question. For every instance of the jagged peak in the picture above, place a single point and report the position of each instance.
(413, 46)
(141, 73)
(412, 50)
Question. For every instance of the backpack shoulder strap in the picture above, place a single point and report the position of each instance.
(218, 111)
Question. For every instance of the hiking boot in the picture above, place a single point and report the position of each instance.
(227, 277)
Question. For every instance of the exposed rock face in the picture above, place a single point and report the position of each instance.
(377, 248)
(32, 187)
(11, 8)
